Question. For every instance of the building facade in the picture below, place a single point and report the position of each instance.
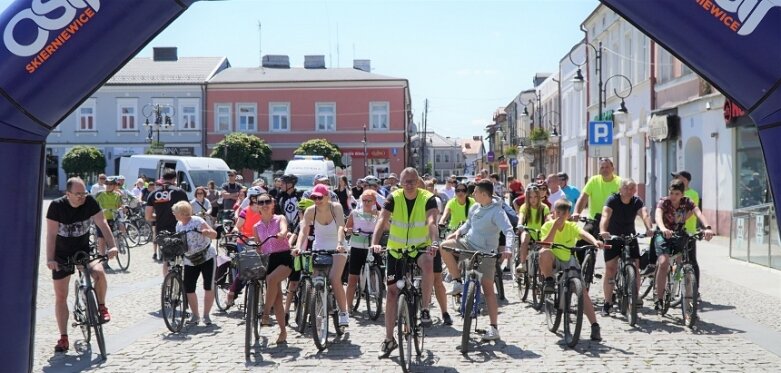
(113, 119)
(573, 119)
(287, 106)
(443, 155)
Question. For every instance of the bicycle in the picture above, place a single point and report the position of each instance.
(86, 314)
(532, 279)
(567, 298)
(303, 291)
(471, 304)
(371, 283)
(173, 300)
(321, 302)
(625, 293)
(409, 329)
(589, 254)
(120, 239)
(139, 231)
(224, 280)
(252, 269)
(681, 276)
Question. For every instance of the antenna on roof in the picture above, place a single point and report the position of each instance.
(337, 46)
(260, 46)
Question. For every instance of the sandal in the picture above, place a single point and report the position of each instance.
(265, 321)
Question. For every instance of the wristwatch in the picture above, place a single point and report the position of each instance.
(707, 227)
(435, 243)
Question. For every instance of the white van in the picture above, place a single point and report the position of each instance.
(306, 167)
(191, 172)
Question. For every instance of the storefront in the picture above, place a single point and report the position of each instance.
(754, 230)
(378, 162)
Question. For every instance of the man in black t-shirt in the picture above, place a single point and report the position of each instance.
(159, 203)
(68, 221)
(230, 191)
(618, 218)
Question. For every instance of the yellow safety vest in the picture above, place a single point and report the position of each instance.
(408, 230)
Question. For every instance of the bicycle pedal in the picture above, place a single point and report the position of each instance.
(598, 276)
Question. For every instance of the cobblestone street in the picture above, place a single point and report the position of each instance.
(138, 340)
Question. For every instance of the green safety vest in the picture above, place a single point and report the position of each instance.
(408, 230)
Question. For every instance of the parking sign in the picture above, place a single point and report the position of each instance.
(600, 132)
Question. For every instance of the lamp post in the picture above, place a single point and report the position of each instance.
(365, 153)
(161, 119)
(578, 81)
(536, 111)
(552, 124)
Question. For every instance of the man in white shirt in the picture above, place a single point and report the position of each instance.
(100, 186)
(554, 187)
(450, 187)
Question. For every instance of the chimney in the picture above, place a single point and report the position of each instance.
(276, 61)
(164, 54)
(314, 62)
(363, 65)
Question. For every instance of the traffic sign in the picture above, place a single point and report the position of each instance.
(489, 156)
(600, 132)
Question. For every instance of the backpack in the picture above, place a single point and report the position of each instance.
(511, 214)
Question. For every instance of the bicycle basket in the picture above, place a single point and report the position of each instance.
(322, 260)
(252, 266)
(171, 245)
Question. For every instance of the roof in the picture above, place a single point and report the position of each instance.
(436, 140)
(294, 74)
(469, 146)
(185, 70)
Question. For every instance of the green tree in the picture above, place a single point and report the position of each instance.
(83, 161)
(155, 148)
(321, 147)
(242, 151)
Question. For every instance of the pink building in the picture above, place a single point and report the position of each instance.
(287, 106)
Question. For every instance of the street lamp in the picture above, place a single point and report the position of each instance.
(619, 115)
(365, 153)
(161, 119)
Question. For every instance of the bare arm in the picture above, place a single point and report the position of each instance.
(445, 215)
(149, 212)
(51, 238)
(207, 231)
(304, 224)
(582, 203)
(607, 212)
(282, 227)
(643, 214)
(381, 226)
(431, 221)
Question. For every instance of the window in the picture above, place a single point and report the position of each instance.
(644, 61)
(127, 110)
(628, 61)
(222, 118)
(665, 63)
(438, 159)
(247, 117)
(326, 116)
(279, 116)
(166, 110)
(86, 116)
(447, 158)
(378, 115)
(188, 113)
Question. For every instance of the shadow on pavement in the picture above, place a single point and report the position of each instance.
(706, 328)
(82, 361)
(487, 351)
(708, 306)
(593, 349)
(339, 347)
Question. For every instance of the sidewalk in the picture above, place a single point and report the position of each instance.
(714, 261)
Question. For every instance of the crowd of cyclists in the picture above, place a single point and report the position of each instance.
(381, 218)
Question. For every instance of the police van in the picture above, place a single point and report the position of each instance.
(191, 172)
(306, 167)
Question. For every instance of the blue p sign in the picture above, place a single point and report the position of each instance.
(600, 133)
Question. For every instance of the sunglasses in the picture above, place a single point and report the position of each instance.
(80, 195)
(367, 200)
(264, 202)
(316, 198)
(460, 190)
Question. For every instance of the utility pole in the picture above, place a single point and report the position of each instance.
(424, 138)
(260, 46)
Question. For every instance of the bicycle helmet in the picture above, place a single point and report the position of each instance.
(305, 203)
(289, 179)
(254, 191)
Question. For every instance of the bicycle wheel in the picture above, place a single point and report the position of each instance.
(132, 234)
(469, 290)
(549, 304)
(173, 302)
(144, 232)
(631, 294)
(648, 283)
(499, 282)
(404, 331)
(588, 269)
(250, 318)
(80, 312)
(374, 294)
(260, 296)
(535, 277)
(357, 296)
(418, 331)
(318, 303)
(573, 311)
(123, 257)
(222, 285)
(619, 291)
(668, 293)
(97, 323)
(689, 294)
(302, 309)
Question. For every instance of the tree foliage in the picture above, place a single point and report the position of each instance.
(155, 148)
(321, 147)
(83, 160)
(242, 151)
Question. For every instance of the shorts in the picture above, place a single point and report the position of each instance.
(438, 262)
(615, 251)
(100, 232)
(279, 259)
(62, 257)
(487, 265)
(191, 274)
(667, 246)
(358, 259)
(560, 265)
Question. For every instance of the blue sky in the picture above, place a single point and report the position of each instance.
(467, 57)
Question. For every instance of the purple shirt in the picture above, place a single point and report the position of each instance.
(265, 230)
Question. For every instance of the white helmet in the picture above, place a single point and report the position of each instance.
(255, 191)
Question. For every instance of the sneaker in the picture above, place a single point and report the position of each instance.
(154, 257)
(387, 347)
(491, 334)
(62, 345)
(658, 305)
(549, 286)
(344, 319)
(207, 320)
(606, 309)
(457, 288)
(520, 269)
(425, 317)
(446, 319)
(649, 270)
(595, 334)
(104, 314)
(194, 320)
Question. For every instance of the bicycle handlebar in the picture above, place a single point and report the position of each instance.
(473, 252)
(573, 249)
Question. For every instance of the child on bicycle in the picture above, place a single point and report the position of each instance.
(532, 214)
(566, 233)
(363, 222)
